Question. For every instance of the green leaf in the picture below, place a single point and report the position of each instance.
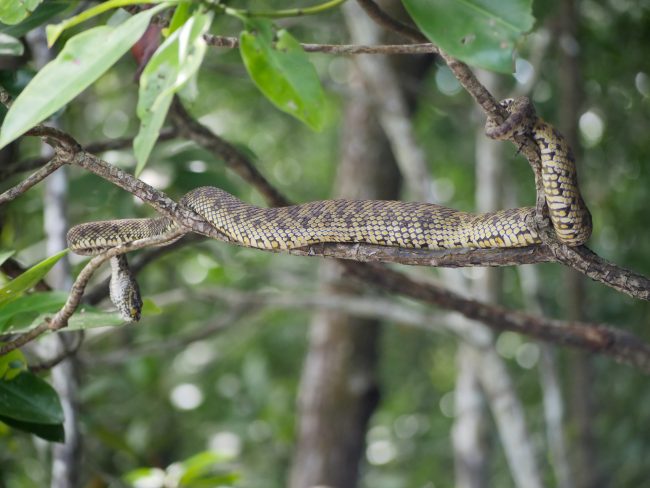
(12, 364)
(54, 433)
(91, 320)
(171, 66)
(84, 58)
(23, 310)
(14, 11)
(28, 398)
(480, 32)
(200, 465)
(54, 31)
(283, 72)
(4, 255)
(141, 474)
(149, 308)
(28, 279)
(44, 12)
(181, 14)
(10, 46)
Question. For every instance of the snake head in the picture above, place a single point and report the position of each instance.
(124, 290)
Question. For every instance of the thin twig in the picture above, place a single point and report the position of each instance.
(55, 163)
(424, 48)
(63, 355)
(93, 147)
(60, 319)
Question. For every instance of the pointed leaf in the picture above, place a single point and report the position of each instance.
(283, 72)
(171, 66)
(29, 398)
(480, 32)
(84, 58)
(14, 11)
(28, 279)
(44, 12)
(54, 31)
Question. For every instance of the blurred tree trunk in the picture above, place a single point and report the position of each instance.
(469, 433)
(570, 102)
(339, 389)
(66, 457)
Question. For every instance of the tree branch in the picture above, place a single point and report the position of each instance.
(60, 319)
(622, 346)
(93, 147)
(424, 48)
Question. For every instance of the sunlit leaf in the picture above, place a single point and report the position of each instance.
(480, 32)
(201, 465)
(283, 72)
(44, 12)
(15, 11)
(84, 58)
(28, 279)
(12, 364)
(29, 398)
(54, 31)
(149, 308)
(175, 61)
(150, 476)
(181, 14)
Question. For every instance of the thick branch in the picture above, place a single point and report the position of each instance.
(622, 346)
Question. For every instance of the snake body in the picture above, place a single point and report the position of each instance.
(389, 223)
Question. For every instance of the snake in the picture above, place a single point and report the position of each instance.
(414, 225)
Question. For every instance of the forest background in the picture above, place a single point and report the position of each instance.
(256, 369)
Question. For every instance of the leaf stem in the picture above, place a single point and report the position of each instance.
(291, 12)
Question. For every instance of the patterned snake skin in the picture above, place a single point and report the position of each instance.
(389, 223)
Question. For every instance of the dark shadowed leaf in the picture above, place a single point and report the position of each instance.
(28, 398)
(53, 433)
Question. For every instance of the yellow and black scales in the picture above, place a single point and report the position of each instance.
(388, 223)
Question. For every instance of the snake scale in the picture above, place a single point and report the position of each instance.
(389, 223)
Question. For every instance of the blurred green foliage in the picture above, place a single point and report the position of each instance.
(150, 400)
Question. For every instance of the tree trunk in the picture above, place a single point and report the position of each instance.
(66, 457)
(339, 390)
(582, 405)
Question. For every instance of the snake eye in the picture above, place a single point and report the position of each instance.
(135, 314)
